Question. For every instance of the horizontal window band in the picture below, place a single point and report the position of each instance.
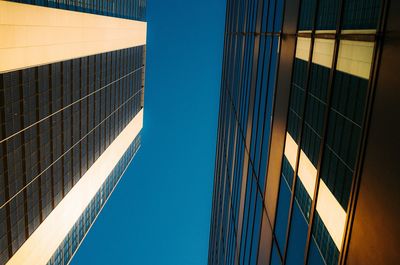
(354, 57)
(70, 105)
(70, 149)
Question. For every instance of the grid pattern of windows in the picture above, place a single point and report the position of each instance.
(69, 246)
(252, 37)
(55, 121)
(330, 81)
(129, 9)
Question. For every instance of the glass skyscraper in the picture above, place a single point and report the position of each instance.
(71, 112)
(307, 158)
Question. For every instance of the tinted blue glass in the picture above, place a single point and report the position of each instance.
(270, 87)
(265, 17)
(263, 101)
(297, 237)
(273, 64)
(261, 61)
(238, 182)
(271, 16)
(278, 15)
(250, 228)
(282, 213)
(314, 255)
(272, 75)
(256, 231)
(232, 243)
(255, 124)
(275, 258)
(268, 44)
(245, 215)
(264, 150)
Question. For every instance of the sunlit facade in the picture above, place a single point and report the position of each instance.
(71, 112)
(302, 124)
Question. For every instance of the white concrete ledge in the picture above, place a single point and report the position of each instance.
(34, 35)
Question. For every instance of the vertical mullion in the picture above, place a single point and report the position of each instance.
(282, 255)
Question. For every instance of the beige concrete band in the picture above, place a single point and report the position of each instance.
(33, 35)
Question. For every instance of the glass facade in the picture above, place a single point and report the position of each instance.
(252, 36)
(55, 121)
(327, 104)
(128, 9)
(334, 46)
(70, 245)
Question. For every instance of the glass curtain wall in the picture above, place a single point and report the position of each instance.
(334, 56)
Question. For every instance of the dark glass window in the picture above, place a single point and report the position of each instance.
(297, 97)
(322, 244)
(361, 14)
(303, 199)
(344, 132)
(307, 14)
(130, 9)
(327, 15)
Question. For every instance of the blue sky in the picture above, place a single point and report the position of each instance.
(160, 211)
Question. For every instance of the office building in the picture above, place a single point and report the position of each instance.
(307, 165)
(71, 111)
